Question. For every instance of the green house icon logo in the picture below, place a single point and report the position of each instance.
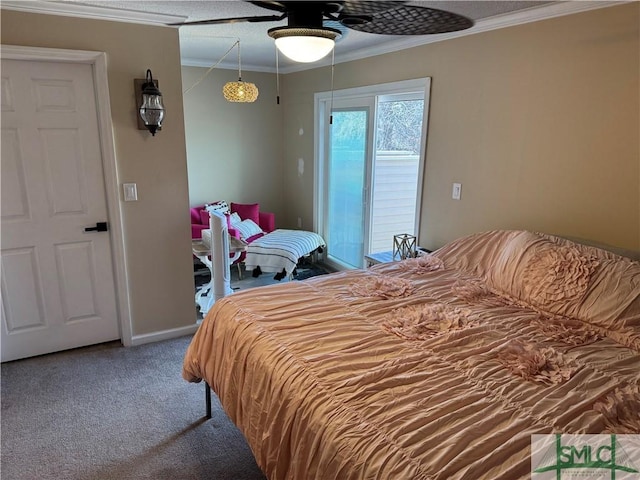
(558, 457)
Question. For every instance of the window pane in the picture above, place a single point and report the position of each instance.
(396, 167)
(347, 165)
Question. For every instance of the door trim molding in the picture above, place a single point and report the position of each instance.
(323, 102)
(98, 61)
(319, 112)
(164, 335)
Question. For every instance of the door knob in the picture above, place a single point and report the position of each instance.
(100, 227)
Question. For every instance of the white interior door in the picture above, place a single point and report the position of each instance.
(58, 288)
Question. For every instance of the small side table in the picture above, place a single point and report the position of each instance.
(380, 257)
(386, 257)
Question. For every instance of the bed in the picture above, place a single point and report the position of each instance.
(438, 367)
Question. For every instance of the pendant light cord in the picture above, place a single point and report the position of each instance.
(213, 66)
(277, 80)
(333, 56)
(239, 64)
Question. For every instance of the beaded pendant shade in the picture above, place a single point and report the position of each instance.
(240, 91)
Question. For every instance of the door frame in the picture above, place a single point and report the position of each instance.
(323, 101)
(98, 62)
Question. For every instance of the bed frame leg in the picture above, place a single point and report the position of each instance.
(207, 399)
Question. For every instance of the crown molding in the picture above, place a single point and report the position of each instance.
(535, 14)
(224, 65)
(87, 11)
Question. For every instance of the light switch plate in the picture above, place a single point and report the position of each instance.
(457, 190)
(130, 192)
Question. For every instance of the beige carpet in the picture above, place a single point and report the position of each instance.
(109, 412)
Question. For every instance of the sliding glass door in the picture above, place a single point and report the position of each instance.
(396, 169)
(346, 184)
(369, 149)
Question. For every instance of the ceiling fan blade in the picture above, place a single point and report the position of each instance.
(278, 6)
(215, 21)
(368, 7)
(409, 20)
(350, 7)
(326, 7)
(336, 25)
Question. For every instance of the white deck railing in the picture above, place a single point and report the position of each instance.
(394, 197)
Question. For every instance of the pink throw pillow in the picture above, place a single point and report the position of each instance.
(204, 217)
(249, 211)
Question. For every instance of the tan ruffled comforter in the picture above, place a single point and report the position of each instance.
(407, 373)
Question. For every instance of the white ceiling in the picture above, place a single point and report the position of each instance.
(207, 45)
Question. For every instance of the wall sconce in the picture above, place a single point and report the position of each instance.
(149, 104)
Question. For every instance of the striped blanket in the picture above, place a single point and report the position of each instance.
(281, 250)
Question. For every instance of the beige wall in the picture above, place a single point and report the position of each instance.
(234, 150)
(539, 122)
(156, 228)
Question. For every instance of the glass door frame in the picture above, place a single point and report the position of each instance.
(323, 102)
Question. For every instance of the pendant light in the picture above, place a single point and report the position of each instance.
(240, 91)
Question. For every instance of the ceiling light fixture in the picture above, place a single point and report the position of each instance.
(240, 91)
(305, 45)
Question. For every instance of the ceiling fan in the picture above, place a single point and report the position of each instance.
(307, 39)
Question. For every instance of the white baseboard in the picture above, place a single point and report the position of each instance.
(163, 335)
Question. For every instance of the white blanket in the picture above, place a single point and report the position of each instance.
(281, 250)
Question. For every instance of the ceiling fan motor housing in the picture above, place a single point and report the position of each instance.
(307, 14)
(305, 19)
